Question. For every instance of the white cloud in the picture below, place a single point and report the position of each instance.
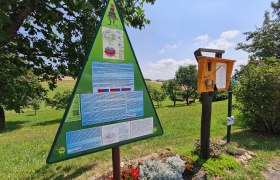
(169, 47)
(162, 51)
(224, 41)
(229, 34)
(165, 68)
(202, 39)
(220, 43)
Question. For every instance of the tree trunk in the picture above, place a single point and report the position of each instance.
(20, 13)
(2, 118)
(174, 103)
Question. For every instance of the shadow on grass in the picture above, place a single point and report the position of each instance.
(13, 125)
(177, 105)
(46, 123)
(58, 172)
(256, 141)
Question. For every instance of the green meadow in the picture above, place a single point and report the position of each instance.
(26, 142)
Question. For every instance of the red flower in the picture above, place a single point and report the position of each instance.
(135, 173)
(188, 166)
(111, 178)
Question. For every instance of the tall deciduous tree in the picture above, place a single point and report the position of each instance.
(53, 36)
(258, 92)
(264, 42)
(50, 38)
(186, 76)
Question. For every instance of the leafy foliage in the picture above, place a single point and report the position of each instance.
(171, 87)
(53, 36)
(218, 166)
(259, 95)
(187, 78)
(59, 100)
(219, 96)
(157, 95)
(264, 42)
(50, 38)
(35, 104)
(17, 92)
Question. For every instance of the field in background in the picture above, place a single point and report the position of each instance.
(24, 147)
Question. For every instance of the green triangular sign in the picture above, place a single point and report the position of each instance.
(110, 104)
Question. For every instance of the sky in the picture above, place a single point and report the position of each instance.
(179, 27)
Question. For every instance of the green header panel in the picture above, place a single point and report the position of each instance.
(110, 104)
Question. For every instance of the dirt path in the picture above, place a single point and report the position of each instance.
(273, 170)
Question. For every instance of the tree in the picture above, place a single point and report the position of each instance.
(54, 36)
(187, 78)
(17, 92)
(171, 87)
(59, 100)
(156, 94)
(264, 41)
(35, 104)
(258, 95)
(50, 38)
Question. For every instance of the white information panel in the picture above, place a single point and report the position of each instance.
(230, 120)
(89, 138)
(141, 127)
(115, 133)
(221, 75)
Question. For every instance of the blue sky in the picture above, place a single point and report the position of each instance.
(179, 27)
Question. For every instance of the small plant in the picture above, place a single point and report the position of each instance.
(219, 165)
(230, 149)
(130, 174)
(172, 168)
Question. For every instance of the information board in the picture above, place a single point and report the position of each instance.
(213, 73)
(110, 104)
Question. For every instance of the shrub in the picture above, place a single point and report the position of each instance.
(173, 168)
(156, 95)
(258, 95)
(59, 100)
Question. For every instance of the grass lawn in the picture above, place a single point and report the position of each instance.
(26, 143)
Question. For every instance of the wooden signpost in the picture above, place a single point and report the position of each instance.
(214, 74)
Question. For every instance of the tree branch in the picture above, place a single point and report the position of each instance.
(18, 16)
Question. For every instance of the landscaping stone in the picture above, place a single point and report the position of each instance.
(252, 154)
(240, 152)
(248, 156)
(243, 157)
(200, 175)
(242, 161)
(222, 142)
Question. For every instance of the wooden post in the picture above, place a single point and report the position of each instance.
(205, 124)
(229, 113)
(116, 163)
